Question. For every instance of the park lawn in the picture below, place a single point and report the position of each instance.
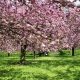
(52, 67)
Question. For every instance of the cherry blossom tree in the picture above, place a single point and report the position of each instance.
(33, 25)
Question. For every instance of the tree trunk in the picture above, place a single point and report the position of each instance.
(34, 54)
(23, 53)
(72, 51)
(8, 54)
(40, 53)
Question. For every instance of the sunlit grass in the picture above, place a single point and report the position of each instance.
(52, 67)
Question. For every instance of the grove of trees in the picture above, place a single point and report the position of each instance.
(47, 25)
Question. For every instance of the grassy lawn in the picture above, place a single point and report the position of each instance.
(52, 67)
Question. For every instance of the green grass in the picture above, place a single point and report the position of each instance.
(52, 67)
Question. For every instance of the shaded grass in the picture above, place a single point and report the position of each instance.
(52, 67)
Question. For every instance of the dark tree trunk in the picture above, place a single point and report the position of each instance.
(40, 53)
(23, 53)
(8, 54)
(34, 54)
(72, 51)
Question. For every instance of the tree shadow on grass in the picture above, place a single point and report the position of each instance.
(48, 62)
(69, 74)
(9, 73)
(13, 74)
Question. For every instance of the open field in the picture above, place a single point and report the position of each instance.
(52, 67)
